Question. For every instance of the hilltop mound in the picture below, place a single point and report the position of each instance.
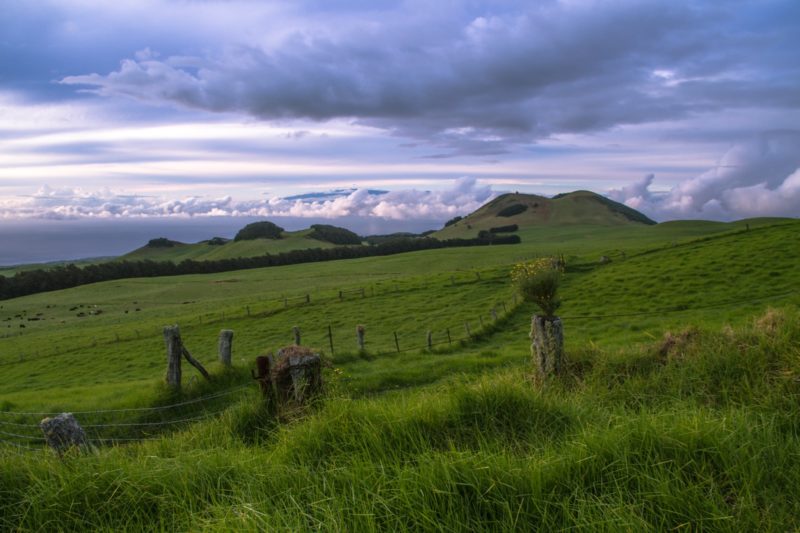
(523, 210)
(259, 230)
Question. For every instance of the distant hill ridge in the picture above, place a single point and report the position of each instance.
(507, 211)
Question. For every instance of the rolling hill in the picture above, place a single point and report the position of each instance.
(526, 210)
(209, 251)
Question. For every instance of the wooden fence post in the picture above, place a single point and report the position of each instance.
(396, 343)
(449, 340)
(466, 327)
(172, 338)
(330, 338)
(224, 346)
(494, 314)
(504, 308)
(429, 339)
(360, 337)
(480, 319)
(296, 332)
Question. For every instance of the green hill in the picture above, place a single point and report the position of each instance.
(526, 210)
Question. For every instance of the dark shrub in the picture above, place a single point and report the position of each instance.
(333, 234)
(504, 229)
(452, 221)
(514, 209)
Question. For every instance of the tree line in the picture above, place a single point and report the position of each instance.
(63, 277)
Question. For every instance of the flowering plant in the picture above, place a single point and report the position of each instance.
(537, 281)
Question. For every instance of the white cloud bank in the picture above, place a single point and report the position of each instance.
(759, 177)
(463, 197)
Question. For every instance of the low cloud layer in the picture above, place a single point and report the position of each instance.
(760, 177)
(465, 196)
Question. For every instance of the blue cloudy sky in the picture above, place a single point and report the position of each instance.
(154, 108)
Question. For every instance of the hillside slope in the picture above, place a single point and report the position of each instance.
(203, 251)
(525, 210)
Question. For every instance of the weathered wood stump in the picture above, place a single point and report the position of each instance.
(172, 338)
(297, 374)
(225, 344)
(547, 345)
(63, 432)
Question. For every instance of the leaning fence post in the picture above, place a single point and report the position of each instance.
(296, 332)
(172, 338)
(449, 340)
(396, 343)
(225, 342)
(330, 338)
(360, 337)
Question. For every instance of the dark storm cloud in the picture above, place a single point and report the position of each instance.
(477, 79)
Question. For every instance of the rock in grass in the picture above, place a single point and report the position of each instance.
(62, 432)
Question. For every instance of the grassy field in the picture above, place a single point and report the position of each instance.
(697, 433)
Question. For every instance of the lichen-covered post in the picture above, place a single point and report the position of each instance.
(225, 342)
(360, 337)
(547, 345)
(538, 282)
(62, 432)
(172, 338)
(296, 333)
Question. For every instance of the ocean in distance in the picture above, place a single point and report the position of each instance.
(27, 241)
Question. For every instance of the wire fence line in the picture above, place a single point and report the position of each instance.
(479, 331)
(284, 304)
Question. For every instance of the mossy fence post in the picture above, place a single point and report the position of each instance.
(225, 343)
(547, 345)
(172, 338)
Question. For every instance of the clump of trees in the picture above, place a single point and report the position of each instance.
(452, 221)
(333, 234)
(511, 210)
(216, 241)
(259, 230)
(161, 242)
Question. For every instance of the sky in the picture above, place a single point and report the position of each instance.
(397, 110)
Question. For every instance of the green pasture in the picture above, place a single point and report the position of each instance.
(699, 433)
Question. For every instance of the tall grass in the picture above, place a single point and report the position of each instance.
(696, 431)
